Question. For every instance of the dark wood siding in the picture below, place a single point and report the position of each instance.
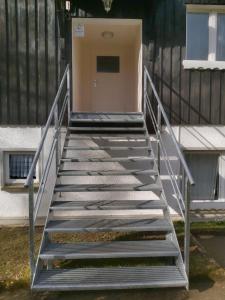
(28, 60)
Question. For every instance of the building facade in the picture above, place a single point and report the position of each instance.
(182, 44)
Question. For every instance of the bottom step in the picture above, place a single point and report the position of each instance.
(109, 278)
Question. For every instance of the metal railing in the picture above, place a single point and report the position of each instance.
(182, 182)
(54, 122)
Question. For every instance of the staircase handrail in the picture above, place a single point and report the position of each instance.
(160, 106)
(183, 192)
(55, 120)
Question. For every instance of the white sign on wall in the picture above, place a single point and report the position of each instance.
(79, 30)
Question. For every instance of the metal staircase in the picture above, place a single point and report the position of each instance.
(107, 181)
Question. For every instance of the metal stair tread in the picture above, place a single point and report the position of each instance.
(114, 249)
(109, 278)
(105, 121)
(106, 116)
(109, 148)
(107, 172)
(106, 136)
(107, 204)
(108, 159)
(108, 129)
(107, 187)
(95, 224)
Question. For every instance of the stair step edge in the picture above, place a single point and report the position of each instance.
(109, 278)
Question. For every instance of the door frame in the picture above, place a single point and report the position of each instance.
(84, 21)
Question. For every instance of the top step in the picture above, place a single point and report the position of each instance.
(108, 119)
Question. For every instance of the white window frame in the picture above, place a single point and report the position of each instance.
(7, 181)
(211, 63)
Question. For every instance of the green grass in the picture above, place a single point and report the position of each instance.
(14, 263)
(217, 227)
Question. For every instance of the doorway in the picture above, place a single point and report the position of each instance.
(107, 65)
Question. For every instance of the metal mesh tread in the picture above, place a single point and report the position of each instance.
(109, 159)
(107, 187)
(113, 249)
(107, 204)
(107, 129)
(95, 224)
(109, 148)
(106, 116)
(107, 172)
(133, 137)
(109, 278)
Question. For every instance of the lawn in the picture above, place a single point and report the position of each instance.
(14, 266)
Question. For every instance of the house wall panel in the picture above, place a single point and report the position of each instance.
(29, 64)
(30, 67)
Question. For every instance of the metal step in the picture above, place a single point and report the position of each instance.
(107, 205)
(113, 249)
(109, 278)
(136, 122)
(106, 129)
(109, 159)
(94, 224)
(107, 172)
(107, 187)
(125, 121)
(107, 148)
(107, 116)
(115, 137)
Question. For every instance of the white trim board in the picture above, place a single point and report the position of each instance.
(203, 64)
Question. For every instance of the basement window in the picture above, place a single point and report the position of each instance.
(17, 166)
(206, 169)
(205, 37)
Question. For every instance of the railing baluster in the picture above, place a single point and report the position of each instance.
(31, 227)
(187, 226)
(145, 93)
(158, 134)
(69, 94)
(56, 120)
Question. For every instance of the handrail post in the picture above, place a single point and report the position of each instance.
(145, 92)
(56, 121)
(187, 226)
(31, 227)
(159, 119)
(68, 94)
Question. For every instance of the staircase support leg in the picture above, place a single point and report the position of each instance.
(31, 228)
(187, 226)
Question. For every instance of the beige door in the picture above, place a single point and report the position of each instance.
(97, 90)
(109, 90)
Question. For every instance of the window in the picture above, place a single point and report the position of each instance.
(205, 170)
(208, 170)
(17, 166)
(108, 64)
(205, 37)
(197, 36)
